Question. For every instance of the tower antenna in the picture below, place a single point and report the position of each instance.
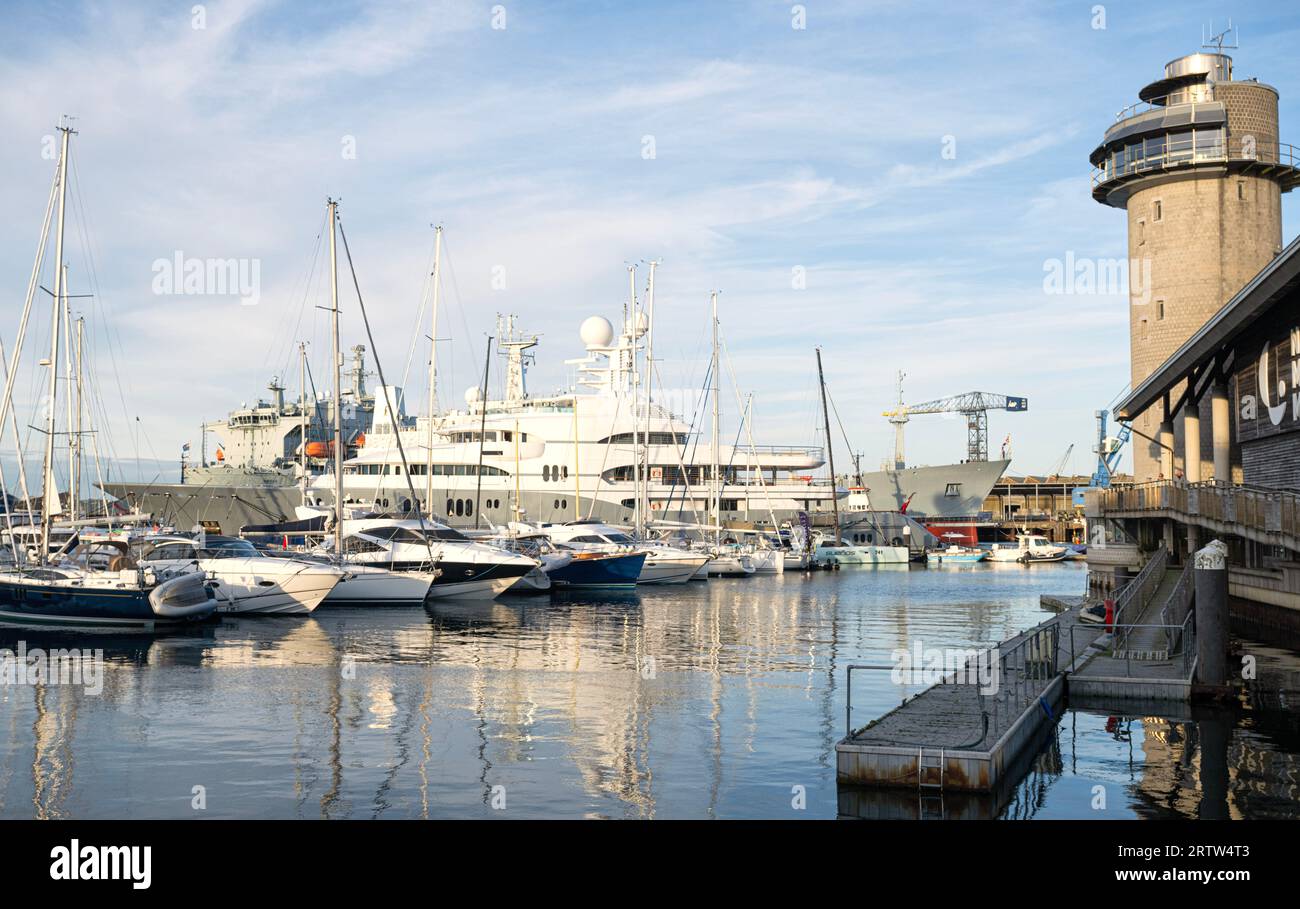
(1217, 40)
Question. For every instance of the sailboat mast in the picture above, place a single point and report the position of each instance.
(717, 487)
(47, 512)
(433, 370)
(81, 388)
(830, 449)
(649, 374)
(637, 518)
(302, 419)
(338, 379)
(482, 434)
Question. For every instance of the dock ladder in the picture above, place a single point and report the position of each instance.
(930, 790)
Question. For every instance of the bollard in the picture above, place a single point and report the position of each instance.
(1210, 575)
(1110, 615)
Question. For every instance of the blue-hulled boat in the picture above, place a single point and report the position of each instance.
(599, 569)
(86, 592)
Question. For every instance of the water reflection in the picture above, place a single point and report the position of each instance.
(705, 700)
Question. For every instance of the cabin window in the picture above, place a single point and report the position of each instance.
(450, 505)
(469, 506)
(546, 472)
(564, 472)
(460, 508)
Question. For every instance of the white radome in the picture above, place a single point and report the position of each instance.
(473, 394)
(596, 331)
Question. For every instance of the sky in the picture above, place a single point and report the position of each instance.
(889, 181)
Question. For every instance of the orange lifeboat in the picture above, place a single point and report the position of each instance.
(319, 449)
(361, 440)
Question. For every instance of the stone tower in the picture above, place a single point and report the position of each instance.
(1198, 167)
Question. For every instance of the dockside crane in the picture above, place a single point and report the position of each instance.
(1108, 449)
(973, 405)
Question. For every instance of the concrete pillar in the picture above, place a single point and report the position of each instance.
(1210, 576)
(1167, 449)
(1191, 443)
(1220, 427)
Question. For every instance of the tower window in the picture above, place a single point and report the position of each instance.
(1156, 210)
(1241, 190)
(1143, 329)
(1142, 231)
(1160, 310)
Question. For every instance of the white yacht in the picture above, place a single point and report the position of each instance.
(450, 564)
(1028, 547)
(570, 455)
(242, 579)
(826, 549)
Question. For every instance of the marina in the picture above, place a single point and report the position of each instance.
(680, 701)
(623, 420)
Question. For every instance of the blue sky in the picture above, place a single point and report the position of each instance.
(775, 148)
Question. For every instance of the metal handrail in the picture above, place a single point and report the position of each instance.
(1024, 671)
(1141, 589)
(1182, 154)
(1177, 608)
(1186, 631)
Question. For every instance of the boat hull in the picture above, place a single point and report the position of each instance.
(363, 586)
(600, 571)
(34, 603)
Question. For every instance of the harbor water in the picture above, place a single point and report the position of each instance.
(720, 699)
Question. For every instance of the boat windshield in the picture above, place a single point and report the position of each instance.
(619, 538)
(229, 549)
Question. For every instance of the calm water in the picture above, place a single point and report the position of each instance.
(705, 700)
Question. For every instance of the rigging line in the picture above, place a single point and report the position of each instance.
(287, 351)
(460, 306)
(692, 440)
(681, 463)
(392, 412)
(100, 303)
(847, 444)
(747, 422)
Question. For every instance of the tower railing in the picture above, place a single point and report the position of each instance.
(1174, 154)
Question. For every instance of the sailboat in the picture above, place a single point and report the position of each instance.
(834, 550)
(81, 582)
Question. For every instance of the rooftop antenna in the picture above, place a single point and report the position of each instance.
(1217, 40)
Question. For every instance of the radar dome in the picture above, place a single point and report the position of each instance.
(642, 324)
(473, 395)
(596, 332)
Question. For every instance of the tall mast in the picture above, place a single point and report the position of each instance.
(77, 457)
(717, 487)
(433, 370)
(649, 376)
(482, 433)
(638, 521)
(830, 449)
(338, 379)
(51, 492)
(302, 419)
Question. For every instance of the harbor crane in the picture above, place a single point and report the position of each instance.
(973, 405)
(1108, 449)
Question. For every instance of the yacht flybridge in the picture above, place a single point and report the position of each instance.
(572, 455)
